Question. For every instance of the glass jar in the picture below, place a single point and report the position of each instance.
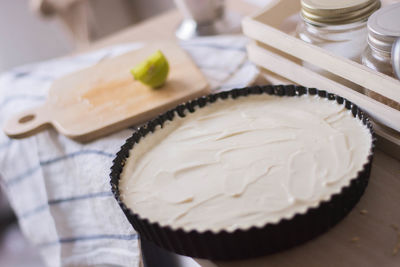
(383, 30)
(348, 40)
(338, 26)
(376, 60)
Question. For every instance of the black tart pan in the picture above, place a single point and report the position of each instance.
(255, 241)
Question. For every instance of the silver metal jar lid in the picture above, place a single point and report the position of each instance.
(337, 12)
(396, 58)
(384, 28)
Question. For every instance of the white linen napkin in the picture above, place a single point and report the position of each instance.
(58, 188)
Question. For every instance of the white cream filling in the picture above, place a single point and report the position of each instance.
(244, 162)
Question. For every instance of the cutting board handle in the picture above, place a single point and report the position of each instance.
(28, 122)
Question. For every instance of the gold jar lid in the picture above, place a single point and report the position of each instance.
(335, 12)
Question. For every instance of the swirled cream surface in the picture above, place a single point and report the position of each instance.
(244, 162)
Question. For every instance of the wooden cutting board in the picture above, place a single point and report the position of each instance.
(105, 98)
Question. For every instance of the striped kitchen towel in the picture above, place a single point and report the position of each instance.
(58, 188)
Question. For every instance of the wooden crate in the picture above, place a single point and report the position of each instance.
(276, 49)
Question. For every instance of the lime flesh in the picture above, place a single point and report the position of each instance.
(153, 71)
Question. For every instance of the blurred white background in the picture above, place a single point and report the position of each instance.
(27, 36)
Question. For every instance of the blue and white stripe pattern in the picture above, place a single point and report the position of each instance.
(59, 188)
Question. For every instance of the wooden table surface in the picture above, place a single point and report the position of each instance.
(368, 236)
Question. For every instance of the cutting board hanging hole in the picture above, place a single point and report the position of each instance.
(27, 118)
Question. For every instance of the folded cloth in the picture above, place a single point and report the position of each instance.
(58, 188)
